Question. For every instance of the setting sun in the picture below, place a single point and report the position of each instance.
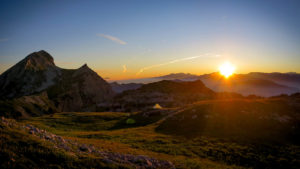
(226, 69)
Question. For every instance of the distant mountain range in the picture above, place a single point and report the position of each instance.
(119, 88)
(256, 83)
(260, 84)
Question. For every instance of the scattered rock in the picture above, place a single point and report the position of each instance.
(148, 163)
(84, 148)
(31, 131)
(75, 148)
(108, 161)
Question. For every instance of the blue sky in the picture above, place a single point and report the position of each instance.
(118, 39)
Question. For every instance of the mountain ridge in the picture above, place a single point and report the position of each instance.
(166, 93)
(68, 89)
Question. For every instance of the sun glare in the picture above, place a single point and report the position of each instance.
(226, 69)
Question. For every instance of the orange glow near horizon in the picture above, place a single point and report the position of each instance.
(226, 69)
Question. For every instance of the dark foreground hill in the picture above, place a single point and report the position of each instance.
(166, 93)
(262, 120)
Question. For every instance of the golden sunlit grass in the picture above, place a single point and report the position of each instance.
(175, 138)
(141, 140)
(226, 69)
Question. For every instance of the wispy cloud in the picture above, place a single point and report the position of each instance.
(112, 38)
(124, 68)
(3, 39)
(175, 61)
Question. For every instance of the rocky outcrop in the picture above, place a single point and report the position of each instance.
(79, 89)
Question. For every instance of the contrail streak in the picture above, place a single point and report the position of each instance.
(112, 38)
(171, 62)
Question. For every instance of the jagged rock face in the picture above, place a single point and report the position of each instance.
(79, 88)
(39, 61)
(71, 90)
(33, 74)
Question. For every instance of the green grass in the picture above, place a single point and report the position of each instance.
(68, 122)
(109, 131)
(103, 130)
(238, 119)
(26, 106)
(18, 149)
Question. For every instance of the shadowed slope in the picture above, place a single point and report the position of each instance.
(275, 120)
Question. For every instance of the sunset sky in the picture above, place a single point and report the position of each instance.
(135, 39)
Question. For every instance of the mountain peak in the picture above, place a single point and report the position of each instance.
(84, 66)
(40, 60)
(84, 69)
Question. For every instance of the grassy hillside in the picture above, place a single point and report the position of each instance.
(19, 149)
(27, 106)
(275, 120)
(257, 133)
(238, 134)
(111, 133)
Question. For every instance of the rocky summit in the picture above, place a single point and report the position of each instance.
(33, 74)
(68, 89)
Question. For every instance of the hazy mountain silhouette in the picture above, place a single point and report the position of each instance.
(261, 84)
(250, 84)
(119, 88)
